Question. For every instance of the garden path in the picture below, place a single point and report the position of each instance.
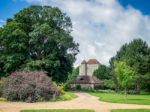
(84, 101)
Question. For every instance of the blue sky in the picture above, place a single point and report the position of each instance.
(9, 7)
(101, 29)
(142, 5)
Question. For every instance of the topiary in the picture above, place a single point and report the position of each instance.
(29, 87)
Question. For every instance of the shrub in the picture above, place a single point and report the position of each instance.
(107, 84)
(88, 89)
(1, 86)
(78, 87)
(67, 87)
(67, 96)
(29, 87)
(61, 88)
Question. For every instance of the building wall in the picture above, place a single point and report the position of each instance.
(91, 68)
(88, 69)
(82, 69)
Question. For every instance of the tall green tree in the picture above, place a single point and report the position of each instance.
(103, 72)
(137, 55)
(125, 75)
(38, 38)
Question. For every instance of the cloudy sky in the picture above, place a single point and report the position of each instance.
(99, 26)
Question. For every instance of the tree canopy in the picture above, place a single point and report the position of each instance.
(125, 74)
(103, 72)
(137, 55)
(38, 38)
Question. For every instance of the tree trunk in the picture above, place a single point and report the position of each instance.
(138, 88)
(126, 93)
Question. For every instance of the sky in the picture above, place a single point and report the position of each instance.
(101, 27)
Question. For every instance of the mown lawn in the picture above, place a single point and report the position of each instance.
(120, 98)
(132, 110)
(59, 110)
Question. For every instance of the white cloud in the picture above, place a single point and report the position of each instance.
(102, 26)
(2, 22)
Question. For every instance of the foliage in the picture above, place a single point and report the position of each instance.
(88, 89)
(109, 84)
(29, 87)
(1, 87)
(59, 110)
(119, 98)
(137, 55)
(103, 72)
(106, 84)
(2, 99)
(66, 96)
(131, 110)
(124, 74)
(61, 88)
(78, 87)
(40, 40)
(74, 73)
(67, 86)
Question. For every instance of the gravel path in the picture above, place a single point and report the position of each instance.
(84, 101)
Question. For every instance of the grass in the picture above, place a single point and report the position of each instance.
(58, 110)
(2, 99)
(120, 98)
(66, 96)
(132, 110)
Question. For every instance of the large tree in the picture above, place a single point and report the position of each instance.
(103, 72)
(137, 55)
(38, 38)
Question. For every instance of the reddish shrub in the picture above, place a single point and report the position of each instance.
(29, 87)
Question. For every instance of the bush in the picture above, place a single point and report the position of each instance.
(67, 96)
(107, 84)
(67, 87)
(1, 86)
(89, 89)
(78, 87)
(61, 88)
(29, 87)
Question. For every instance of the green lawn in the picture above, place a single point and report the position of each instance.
(59, 110)
(132, 110)
(120, 98)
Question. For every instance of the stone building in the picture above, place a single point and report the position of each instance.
(86, 78)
